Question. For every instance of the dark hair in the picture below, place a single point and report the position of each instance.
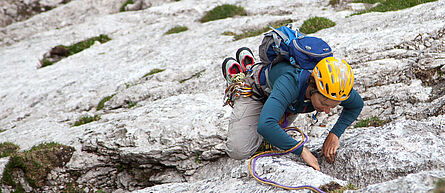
(311, 82)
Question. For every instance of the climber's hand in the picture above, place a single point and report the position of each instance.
(310, 159)
(330, 146)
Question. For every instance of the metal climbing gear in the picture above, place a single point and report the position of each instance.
(314, 117)
(236, 89)
(253, 159)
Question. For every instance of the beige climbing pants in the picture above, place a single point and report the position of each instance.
(243, 138)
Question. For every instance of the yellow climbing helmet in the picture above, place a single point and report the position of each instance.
(334, 78)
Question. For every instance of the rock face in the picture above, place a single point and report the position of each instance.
(373, 155)
(12, 11)
(165, 132)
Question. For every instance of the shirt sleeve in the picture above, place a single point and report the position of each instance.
(285, 90)
(351, 109)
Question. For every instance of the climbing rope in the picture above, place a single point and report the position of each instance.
(236, 89)
(253, 159)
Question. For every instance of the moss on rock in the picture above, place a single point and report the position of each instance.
(8, 148)
(36, 164)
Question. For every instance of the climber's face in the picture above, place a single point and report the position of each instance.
(322, 103)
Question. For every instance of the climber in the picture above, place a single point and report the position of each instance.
(256, 117)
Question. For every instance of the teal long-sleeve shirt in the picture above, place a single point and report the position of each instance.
(284, 98)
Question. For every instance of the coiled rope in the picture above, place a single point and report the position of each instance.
(253, 159)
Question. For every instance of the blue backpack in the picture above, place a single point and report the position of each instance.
(300, 50)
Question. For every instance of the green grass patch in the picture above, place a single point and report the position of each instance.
(373, 121)
(256, 32)
(8, 148)
(122, 9)
(390, 5)
(36, 164)
(102, 102)
(315, 24)
(440, 186)
(80, 46)
(198, 74)
(46, 62)
(176, 29)
(61, 51)
(86, 119)
(222, 12)
(153, 71)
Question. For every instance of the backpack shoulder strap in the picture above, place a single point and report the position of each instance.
(304, 76)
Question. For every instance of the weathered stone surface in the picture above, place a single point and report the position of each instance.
(377, 154)
(284, 171)
(167, 130)
(13, 11)
(420, 182)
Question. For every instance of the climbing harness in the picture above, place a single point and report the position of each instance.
(236, 89)
(253, 159)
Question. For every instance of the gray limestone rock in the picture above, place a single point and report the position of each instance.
(166, 131)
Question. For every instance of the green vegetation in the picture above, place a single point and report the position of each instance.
(86, 119)
(198, 74)
(36, 164)
(440, 186)
(153, 71)
(125, 4)
(80, 46)
(222, 12)
(176, 29)
(334, 187)
(315, 24)
(228, 33)
(198, 158)
(46, 62)
(128, 85)
(8, 148)
(102, 102)
(59, 52)
(344, 188)
(131, 104)
(373, 121)
(334, 2)
(390, 5)
(257, 32)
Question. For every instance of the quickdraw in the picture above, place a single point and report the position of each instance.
(253, 159)
(236, 89)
